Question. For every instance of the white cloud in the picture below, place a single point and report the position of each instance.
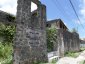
(82, 12)
(10, 6)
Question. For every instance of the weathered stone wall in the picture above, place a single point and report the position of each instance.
(30, 41)
(71, 41)
(67, 41)
(30, 38)
(56, 23)
(7, 18)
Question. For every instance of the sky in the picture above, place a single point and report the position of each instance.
(56, 9)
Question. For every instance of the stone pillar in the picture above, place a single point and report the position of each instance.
(43, 16)
(29, 43)
(60, 43)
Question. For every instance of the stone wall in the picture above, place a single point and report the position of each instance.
(56, 23)
(7, 18)
(67, 41)
(30, 37)
(30, 40)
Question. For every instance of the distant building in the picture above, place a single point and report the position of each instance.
(57, 23)
(65, 41)
(82, 42)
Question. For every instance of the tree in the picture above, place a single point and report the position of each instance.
(74, 30)
(51, 38)
(7, 32)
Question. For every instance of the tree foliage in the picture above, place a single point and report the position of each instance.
(74, 30)
(51, 38)
(6, 49)
(7, 32)
(6, 53)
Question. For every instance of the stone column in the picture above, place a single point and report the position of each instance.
(29, 43)
(60, 43)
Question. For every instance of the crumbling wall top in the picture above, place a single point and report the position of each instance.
(6, 17)
(36, 1)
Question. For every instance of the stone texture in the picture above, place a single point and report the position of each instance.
(7, 18)
(67, 41)
(30, 37)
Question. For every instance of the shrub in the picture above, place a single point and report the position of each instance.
(72, 54)
(7, 32)
(5, 53)
(51, 38)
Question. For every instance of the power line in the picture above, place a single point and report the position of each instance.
(62, 11)
(76, 13)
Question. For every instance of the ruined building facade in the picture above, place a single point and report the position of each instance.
(30, 38)
(57, 23)
(66, 41)
(7, 18)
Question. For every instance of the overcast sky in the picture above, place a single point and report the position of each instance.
(60, 9)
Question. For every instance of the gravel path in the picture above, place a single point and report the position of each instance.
(70, 60)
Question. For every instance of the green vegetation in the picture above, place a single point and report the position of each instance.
(6, 49)
(7, 32)
(6, 53)
(72, 54)
(54, 61)
(82, 49)
(74, 30)
(82, 62)
(51, 37)
(10, 17)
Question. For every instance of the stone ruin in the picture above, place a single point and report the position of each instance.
(30, 38)
(7, 18)
(66, 41)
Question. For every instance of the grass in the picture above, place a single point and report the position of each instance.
(6, 54)
(82, 49)
(82, 62)
(72, 54)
